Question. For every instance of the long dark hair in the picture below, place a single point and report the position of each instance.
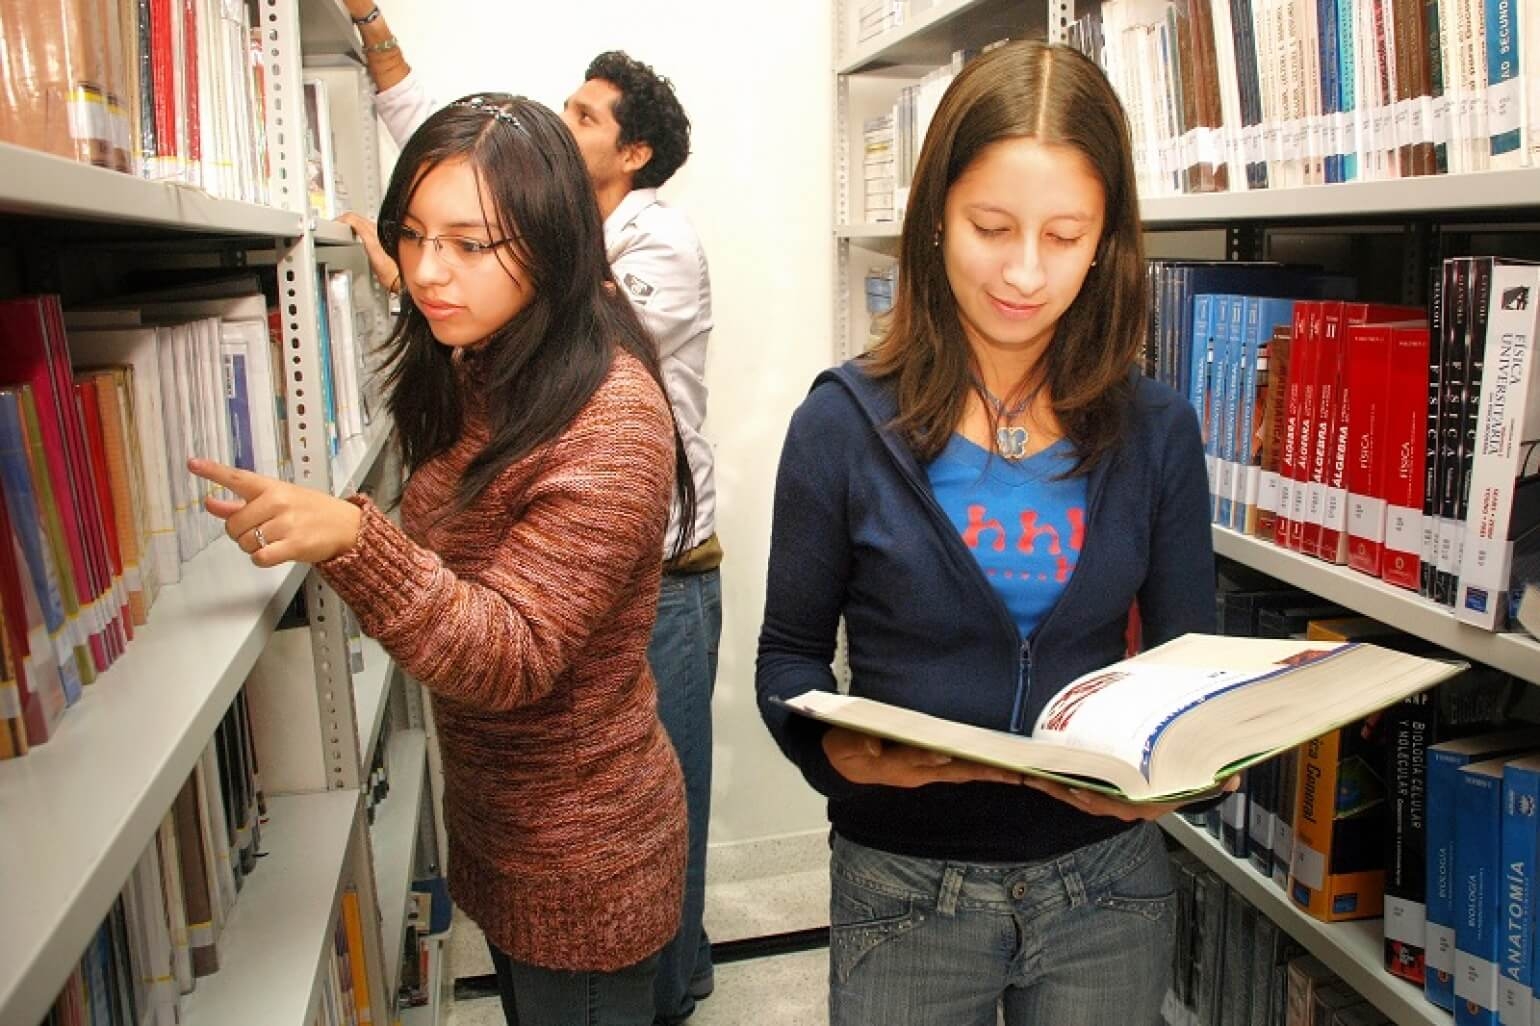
(538, 370)
(1056, 95)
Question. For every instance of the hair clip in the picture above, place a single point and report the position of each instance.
(480, 105)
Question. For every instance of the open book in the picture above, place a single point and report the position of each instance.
(1169, 723)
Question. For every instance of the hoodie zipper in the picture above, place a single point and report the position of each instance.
(908, 469)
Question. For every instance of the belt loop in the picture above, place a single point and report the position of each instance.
(1069, 874)
(951, 884)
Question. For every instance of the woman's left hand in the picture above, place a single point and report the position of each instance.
(277, 522)
(1094, 803)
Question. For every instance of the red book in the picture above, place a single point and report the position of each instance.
(191, 57)
(1288, 450)
(27, 357)
(164, 101)
(1405, 449)
(36, 723)
(109, 596)
(91, 416)
(1307, 355)
(1368, 381)
(1327, 502)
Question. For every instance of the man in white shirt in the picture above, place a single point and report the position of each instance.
(633, 135)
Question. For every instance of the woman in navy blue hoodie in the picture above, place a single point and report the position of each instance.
(984, 498)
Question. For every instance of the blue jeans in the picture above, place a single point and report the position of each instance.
(1081, 940)
(683, 656)
(533, 996)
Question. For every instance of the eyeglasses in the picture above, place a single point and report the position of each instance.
(454, 250)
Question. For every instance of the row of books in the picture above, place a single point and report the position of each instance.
(874, 17)
(1233, 966)
(171, 90)
(1378, 818)
(910, 118)
(99, 411)
(168, 90)
(344, 999)
(1252, 94)
(1367, 434)
(165, 930)
(879, 169)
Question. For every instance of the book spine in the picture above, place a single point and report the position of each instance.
(1270, 497)
(1478, 872)
(1470, 403)
(1293, 397)
(1439, 958)
(1451, 425)
(1261, 788)
(1368, 376)
(1305, 454)
(1441, 287)
(1283, 831)
(1323, 426)
(1505, 83)
(1404, 452)
(1516, 901)
(1314, 819)
(1216, 401)
(1505, 423)
(1244, 490)
(1409, 730)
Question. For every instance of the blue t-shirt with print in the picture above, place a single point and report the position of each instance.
(1024, 521)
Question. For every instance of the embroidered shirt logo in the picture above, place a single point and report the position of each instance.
(639, 289)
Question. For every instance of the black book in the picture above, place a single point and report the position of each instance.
(1428, 570)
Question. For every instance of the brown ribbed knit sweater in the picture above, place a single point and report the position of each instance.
(527, 616)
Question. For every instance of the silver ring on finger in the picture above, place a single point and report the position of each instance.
(261, 538)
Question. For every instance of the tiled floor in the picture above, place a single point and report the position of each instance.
(754, 891)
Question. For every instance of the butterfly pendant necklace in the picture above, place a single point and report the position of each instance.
(1010, 440)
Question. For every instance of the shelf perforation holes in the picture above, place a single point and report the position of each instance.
(335, 728)
(303, 470)
(275, 88)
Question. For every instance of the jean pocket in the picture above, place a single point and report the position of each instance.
(862, 920)
(1145, 889)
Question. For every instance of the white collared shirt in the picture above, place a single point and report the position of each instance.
(658, 262)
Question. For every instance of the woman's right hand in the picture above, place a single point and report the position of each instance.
(384, 268)
(864, 759)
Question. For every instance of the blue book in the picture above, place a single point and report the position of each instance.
(1201, 353)
(1212, 444)
(1347, 99)
(328, 395)
(26, 520)
(1234, 356)
(1516, 910)
(1479, 886)
(1331, 88)
(1505, 82)
(1444, 763)
(238, 409)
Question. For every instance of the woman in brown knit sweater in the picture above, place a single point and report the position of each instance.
(541, 455)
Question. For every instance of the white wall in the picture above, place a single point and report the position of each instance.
(756, 82)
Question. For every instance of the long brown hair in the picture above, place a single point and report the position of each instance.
(1056, 95)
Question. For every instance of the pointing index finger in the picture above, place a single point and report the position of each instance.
(242, 482)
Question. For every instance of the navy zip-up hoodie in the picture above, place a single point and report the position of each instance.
(857, 533)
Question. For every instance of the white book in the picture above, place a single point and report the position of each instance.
(1171, 723)
(1508, 416)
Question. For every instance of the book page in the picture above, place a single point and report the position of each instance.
(1120, 710)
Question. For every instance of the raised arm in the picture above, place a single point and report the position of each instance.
(400, 100)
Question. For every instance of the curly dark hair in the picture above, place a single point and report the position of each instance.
(648, 112)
